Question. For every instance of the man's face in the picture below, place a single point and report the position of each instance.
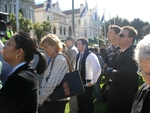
(124, 40)
(9, 27)
(80, 47)
(112, 35)
(67, 43)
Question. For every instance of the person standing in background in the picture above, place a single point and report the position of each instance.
(113, 36)
(97, 88)
(9, 33)
(72, 54)
(89, 68)
(103, 51)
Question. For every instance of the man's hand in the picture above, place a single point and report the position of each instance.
(89, 84)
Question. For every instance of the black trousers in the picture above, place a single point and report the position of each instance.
(53, 107)
(85, 101)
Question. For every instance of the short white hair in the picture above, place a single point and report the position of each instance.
(143, 48)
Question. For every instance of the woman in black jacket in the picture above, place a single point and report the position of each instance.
(20, 92)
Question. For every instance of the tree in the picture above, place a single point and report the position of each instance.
(145, 30)
(139, 24)
(41, 29)
(24, 24)
(136, 23)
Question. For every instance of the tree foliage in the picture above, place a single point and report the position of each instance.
(41, 29)
(136, 23)
(24, 24)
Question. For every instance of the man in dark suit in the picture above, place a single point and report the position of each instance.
(121, 74)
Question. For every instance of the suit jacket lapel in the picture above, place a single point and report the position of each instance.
(125, 53)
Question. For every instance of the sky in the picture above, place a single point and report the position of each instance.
(128, 9)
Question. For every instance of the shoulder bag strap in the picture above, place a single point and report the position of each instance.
(70, 70)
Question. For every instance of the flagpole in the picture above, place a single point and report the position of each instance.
(97, 26)
(109, 19)
(104, 28)
(51, 18)
(73, 27)
(97, 20)
(17, 22)
(114, 21)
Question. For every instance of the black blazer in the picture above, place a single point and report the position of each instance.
(19, 93)
(125, 83)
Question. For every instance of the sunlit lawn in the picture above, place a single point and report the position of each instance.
(99, 106)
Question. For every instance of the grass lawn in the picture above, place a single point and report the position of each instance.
(99, 106)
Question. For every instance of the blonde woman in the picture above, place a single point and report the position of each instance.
(53, 75)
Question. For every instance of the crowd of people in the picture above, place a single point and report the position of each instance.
(23, 91)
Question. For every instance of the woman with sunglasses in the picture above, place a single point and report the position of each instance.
(20, 92)
(141, 103)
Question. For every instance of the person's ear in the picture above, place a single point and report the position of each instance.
(20, 52)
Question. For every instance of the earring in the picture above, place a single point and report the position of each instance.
(16, 56)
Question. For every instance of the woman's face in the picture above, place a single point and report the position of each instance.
(10, 51)
(49, 49)
(145, 68)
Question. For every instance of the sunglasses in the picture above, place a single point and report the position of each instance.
(122, 35)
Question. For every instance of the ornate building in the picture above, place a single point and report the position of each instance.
(26, 7)
(62, 21)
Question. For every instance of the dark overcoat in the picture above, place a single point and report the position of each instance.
(124, 83)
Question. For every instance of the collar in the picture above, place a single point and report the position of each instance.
(16, 67)
(70, 46)
(122, 50)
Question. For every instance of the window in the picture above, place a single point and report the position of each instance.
(14, 8)
(60, 30)
(64, 31)
(5, 8)
(79, 23)
(84, 22)
(47, 18)
(85, 33)
(10, 8)
(54, 30)
(90, 32)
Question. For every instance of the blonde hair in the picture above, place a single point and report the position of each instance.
(52, 40)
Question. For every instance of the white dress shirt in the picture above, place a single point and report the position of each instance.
(92, 68)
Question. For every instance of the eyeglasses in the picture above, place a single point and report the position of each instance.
(8, 44)
(142, 73)
(122, 35)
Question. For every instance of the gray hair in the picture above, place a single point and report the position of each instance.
(142, 49)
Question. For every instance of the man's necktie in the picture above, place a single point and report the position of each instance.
(119, 57)
(80, 62)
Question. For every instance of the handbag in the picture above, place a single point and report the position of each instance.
(104, 92)
(71, 85)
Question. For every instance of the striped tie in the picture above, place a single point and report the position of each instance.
(80, 62)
